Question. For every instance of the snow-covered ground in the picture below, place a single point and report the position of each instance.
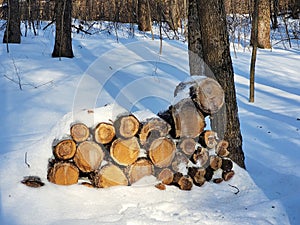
(132, 74)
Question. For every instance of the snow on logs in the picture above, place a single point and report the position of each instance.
(173, 146)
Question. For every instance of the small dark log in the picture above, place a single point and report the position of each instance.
(65, 149)
(227, 175)
(221, 149)
(200, 157)
(226, 165)
(141, 168)
(89, 156)
(32, 181)
(184, 182)
(187, 146)
(160, 186)
(209, 172)
(63, 173)
(198, 175)
(126, 126)
(165, 176)
(79, 132)
(104, 133)
(215, 162)
(162, 151)
(110, 175)
(218, 180)
(208, 139)
(125, 151)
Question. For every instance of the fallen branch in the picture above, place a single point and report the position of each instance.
(238, 190)
(80, 29)
(28, 165)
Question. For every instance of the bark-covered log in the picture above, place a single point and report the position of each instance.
(198, 175)
(187, 145)
(63, 173)
(110, 175)
(227, 175)
(141, 168)
(180, 162)
(221, 148)
(215, 162)
(104, 133)
(162, 151)
(89, 156)
(188, 120)
(209, 172)
(153, 129)
(126, 126)
(65, 149)
(200, 157)
(165, 175)
(184, 182)
(79, 132)
(125, 151)
(208, 139)
(226, 165)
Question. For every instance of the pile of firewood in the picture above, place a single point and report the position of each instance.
(173, 146)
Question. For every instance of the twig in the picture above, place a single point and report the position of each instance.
(26, 160)
(49, 24)
(238, 190)
(28, 84)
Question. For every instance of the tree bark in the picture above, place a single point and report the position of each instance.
(63, 38)
(12, 33)
(144, 16)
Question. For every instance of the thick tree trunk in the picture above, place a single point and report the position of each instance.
(63, 38)
(12, 33)
(216, 54)
(144, 16)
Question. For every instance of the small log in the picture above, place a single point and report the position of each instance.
(79, 132)
(126, 126)
(104, 133)
(160, 186)
(33, 181)
(153, 129)
(125, 151)
(215, 162)
(184, 182)
(198, 175)
(188, 120)
(222, 148)
(218, 180)
(141, 168)
(208, 139)
(187, 146)
(65, 149)
(162, 151)
(208, 94)
(89, 156)
(227, 175)
(165, 176)
(200, 157)
(226, 165)
(209, 172)
(63, 173)
(180, 162)
(110, 175)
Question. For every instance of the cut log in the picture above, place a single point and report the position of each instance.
(184, 182)
(227, 175)
(209, 172)
(218, 180)
(65, 149)
(160, 186)
(215, 162)
(33, 181)
(165, 176)
(141, 168)
(162, 152)
(63, 173)
(110, 175)
(221, 149)
(226, 165)
(180, 163)
(153, 129)
(79, 132)
(104, 133)
(208, 94)
(200, 157)
(208, 139)
(188, 120)
(198, 175)
(126, 126)
(89, 156)
(125, 151)
(187, 146)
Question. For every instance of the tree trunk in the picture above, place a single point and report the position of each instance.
(12, 33)
(63, 38)
(144, 16)
(216, 54)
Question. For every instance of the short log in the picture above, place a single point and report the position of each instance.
(227, 175)
(141, 168)
(110, 175)
(63, 173)
(126, 126)
(79, 132)
(222, 148)
(215, 162)
(165, 175)
(198, 175)
(184, 182)
(65, 149)
(180, 162)
(208, 139)
(226, 164)
(187, 145)
(104, 133)
(125, 151)
(162, 151)
(200, 157)
(89, 156)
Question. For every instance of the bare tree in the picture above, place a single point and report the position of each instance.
(63, 39)
(12, 33)
(144, 15)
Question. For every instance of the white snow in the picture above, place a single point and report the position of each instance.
(131, 75)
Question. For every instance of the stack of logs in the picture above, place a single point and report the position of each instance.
(173, 146)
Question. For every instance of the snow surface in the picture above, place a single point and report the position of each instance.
(131, 74)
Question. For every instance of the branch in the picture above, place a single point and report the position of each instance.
(80, 29)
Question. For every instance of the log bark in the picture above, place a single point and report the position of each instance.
(200, 157)
(187, 146)
(104, 133)
(215, 162)
(184, 182)
(65, 149)
(208, 139)
(126, 126)
(227, 175)
(141, 168)
(79, 132)
(198, 175)
(162, 152)
(63, 173)
(165, 176)
(188, 120)
(110, 175)
(222, 148)
(153, 129)
(89, 156)
(125, 151)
